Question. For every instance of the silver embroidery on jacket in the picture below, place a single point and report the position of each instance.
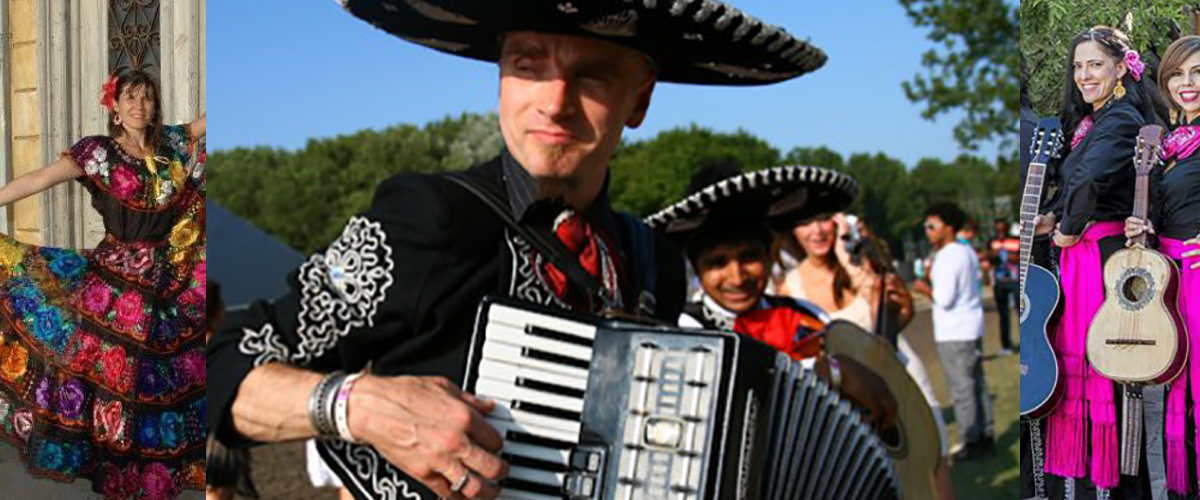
(342, 288)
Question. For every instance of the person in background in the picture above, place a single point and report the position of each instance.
(227, 471)
(1004, 252)
(958, 327)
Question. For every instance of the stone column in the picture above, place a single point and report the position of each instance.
(5, 138)
(90, 118)
(182, 60)
(25, 110)
(74, 65)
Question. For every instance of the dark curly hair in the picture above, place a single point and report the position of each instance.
(949, 213)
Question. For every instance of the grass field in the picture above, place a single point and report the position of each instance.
(997, 475)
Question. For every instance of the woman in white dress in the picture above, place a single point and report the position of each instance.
(826, 275)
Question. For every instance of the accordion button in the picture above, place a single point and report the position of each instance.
(663, 433)
(593, 463)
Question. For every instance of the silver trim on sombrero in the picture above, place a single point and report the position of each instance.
(438, 13)
(622, 24)
(442, 45)
(751, 73)
(707, 7)
(679, 6)
(751, 180)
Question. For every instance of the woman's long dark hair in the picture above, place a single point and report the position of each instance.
(1142, 94)
(135, 79)
(1026, 102)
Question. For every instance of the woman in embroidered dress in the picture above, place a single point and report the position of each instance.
(1175, 218)
(101, 351)
(1106, 102)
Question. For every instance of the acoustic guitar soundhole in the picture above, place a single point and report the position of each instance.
(1136, 288)
(894, 440)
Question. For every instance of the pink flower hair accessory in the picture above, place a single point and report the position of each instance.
(1133, 61)
(108, 94)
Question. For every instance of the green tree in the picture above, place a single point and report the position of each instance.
(648, 175)
(973, 70)
(304, 197)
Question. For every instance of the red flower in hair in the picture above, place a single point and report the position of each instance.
(108, 95)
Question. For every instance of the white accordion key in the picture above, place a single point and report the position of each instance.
(504, 411)
(518, 319)
(505, 372)
(515, 494)
(498, 390)
(516, 336)
(505, 426)
(547, 478)
(543, 453)
(517, 355)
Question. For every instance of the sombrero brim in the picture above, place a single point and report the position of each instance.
(779, 196)
(691, 41)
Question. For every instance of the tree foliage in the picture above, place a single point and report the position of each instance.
(304, 197)
(974, 68)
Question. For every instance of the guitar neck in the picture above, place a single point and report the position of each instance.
(1029, 210)
(1141, 200)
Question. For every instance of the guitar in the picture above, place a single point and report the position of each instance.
(914, 443)
(1040, 387)
(1134, 338)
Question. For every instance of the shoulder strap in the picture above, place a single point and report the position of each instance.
(644, 270)
(549, 247)
(696, 311)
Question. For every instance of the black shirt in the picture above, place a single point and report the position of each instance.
(1096, 179)
(1176, 198)
(399, 290)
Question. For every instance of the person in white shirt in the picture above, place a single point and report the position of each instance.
(958, 327)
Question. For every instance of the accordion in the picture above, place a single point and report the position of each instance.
(592, 409)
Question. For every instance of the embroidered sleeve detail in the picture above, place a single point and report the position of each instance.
(91, 155)
(342, 288)
(264, 344)
(362, 468)
(177, 140)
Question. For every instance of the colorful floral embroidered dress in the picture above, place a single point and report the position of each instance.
(102, 351)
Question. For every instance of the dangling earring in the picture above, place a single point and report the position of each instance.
(1174, 116)
(1119, 91)
(117, 120)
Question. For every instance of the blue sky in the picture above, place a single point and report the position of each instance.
(289, 70)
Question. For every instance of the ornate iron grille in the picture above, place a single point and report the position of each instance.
(133, 36)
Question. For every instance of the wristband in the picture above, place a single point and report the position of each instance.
(341, 408)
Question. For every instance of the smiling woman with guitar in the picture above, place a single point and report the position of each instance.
(1175, 211)
(1106, 101)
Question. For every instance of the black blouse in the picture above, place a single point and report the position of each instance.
(1097, 178)
(1176, 199)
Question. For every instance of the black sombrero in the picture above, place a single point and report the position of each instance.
(691, 41)
(779, 196)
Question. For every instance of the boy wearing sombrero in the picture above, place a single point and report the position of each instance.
(725, 228)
